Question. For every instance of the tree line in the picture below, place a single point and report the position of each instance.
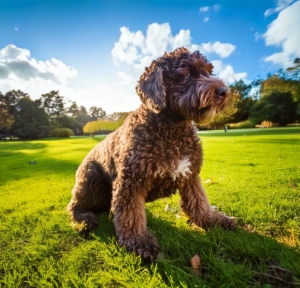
(275, 98)
(31, 119)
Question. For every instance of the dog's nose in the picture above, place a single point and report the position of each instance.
(223, 91)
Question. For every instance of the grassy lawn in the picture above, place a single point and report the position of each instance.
(252, 174)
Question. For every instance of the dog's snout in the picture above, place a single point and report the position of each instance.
(223, 91)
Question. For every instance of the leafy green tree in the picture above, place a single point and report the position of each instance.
(54, 105)
(118, 116)
(277, 107)
(294, 71)
(97, 113)
(73, 110)
(280, 84)
(83, 116)
(69, 122)
(31, 122)
(6, 118)
(94, 126)
(7, 106)
(244, 101)
(11, 98)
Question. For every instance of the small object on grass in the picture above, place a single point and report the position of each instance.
(195, 263)
(208, 181)
(32, 162)
(169, 208)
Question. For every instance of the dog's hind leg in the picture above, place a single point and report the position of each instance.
(91, 195)
(195, 204)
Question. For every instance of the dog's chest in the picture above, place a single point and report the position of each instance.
(175, 169)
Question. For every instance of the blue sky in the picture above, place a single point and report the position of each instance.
(93, 52)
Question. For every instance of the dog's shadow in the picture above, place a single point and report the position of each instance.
(226, 256)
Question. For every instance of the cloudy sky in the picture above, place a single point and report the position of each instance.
(93, 51)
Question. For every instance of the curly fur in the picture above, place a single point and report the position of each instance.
(155, 153)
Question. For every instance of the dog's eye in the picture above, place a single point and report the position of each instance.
(188, 74)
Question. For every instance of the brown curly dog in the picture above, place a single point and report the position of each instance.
(153, 154)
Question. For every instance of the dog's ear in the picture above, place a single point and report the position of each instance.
(152, 90)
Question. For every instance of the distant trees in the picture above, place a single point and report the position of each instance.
(6, 118)
(244, 103)
(112, 122)
(277, 99)
(294, 71)
(277, 107)
(30, 121)
(97, 113)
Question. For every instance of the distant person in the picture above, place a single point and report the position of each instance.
(225, 128)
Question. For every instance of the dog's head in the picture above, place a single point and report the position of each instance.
(182, 82)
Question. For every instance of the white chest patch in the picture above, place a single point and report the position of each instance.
(183, 168)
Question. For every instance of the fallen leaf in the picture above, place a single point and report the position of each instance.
(195, 263)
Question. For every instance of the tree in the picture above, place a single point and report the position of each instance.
(83, 116)
(241, 88)
(294, 71)
(94, 126)
(7, 106)
(69, 122)
(54, 105)
(280, 84)
(244, 101)
(277, 107)
(11, 98)
(97, 113)
(73, 110)
(6, 119)
(31, 122)
(118, 116)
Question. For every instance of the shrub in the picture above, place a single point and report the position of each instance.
(241, 125)
(61, 132)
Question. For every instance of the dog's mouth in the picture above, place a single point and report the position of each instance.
(206, 114)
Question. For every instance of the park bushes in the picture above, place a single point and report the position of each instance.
(241, 125)
(61, 132)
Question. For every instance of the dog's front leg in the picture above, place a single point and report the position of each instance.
(130, 221)
(195, 204)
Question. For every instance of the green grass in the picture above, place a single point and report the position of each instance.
(253, 174)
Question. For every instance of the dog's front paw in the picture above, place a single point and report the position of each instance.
(229, 223)
(146, 246)
(224, 221)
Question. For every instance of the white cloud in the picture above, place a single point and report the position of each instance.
(18, 70)
(221, 49)
(258, 36)
(284, 32)
(16, 63)
(226, 72)
(217, 7)
(156, 41)
(206, 19)
(138, 50)
(204, 9)
(112, 97)
(281, 4)
(126, 78)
